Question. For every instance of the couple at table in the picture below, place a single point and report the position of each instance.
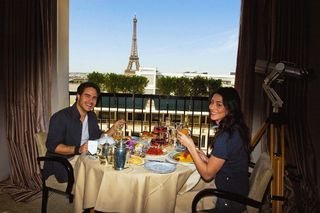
(72, 127)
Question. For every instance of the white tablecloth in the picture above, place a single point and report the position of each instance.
(134, 189)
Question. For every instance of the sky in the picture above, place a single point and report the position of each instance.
(173, 36)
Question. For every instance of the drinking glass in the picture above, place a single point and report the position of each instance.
(173, 135)
(103, 159)
(100, 153)
(110, 154)
(184, 130)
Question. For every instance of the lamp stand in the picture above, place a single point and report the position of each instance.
(275, 128)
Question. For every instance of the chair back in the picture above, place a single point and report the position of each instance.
(51, 183)
(41, 138)
(259, 179)
(258, 183)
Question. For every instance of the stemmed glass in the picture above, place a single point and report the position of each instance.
(118, 135)
(173, 135)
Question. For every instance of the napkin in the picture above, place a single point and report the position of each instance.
(106, 139)
(192, 181)
(92, 146)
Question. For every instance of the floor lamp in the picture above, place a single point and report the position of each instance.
(275, 126)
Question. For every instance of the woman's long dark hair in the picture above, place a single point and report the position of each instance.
(234, 119)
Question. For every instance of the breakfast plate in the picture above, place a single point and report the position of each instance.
(136, 160)
(179, 157)
(160, 167)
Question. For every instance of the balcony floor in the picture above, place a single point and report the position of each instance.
(56, 203)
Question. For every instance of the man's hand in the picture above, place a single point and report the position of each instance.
(83, 148)
(119, 124)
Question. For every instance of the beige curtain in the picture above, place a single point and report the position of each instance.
(27, 65)
(276, 31)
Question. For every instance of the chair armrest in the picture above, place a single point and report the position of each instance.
(225, 195)
(251, 164)
(67, 165)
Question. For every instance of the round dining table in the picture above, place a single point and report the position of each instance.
(134, 189)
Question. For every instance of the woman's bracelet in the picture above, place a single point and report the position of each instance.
(77, 150)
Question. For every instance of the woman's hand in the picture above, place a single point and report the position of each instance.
(185, 140)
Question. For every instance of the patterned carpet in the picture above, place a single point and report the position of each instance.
(57, 203)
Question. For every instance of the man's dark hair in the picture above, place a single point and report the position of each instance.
(85, 85)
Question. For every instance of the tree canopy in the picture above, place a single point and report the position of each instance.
(183, 86)
(166, 85)
(115, 83)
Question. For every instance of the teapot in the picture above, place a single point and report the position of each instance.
(121, 154)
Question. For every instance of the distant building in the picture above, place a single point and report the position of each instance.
(75, 78)
(227, 80)
(152, 74)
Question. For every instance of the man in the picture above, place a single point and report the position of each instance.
(72, 127)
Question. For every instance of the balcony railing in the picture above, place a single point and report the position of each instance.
(144, 112)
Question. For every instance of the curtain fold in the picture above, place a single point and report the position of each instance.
(277, 31)
(27, 72)
(246, 58)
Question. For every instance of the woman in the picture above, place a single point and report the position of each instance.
(228, 161)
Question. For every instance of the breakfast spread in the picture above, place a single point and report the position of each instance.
(155, 150)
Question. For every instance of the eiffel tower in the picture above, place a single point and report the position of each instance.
(133, 59)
